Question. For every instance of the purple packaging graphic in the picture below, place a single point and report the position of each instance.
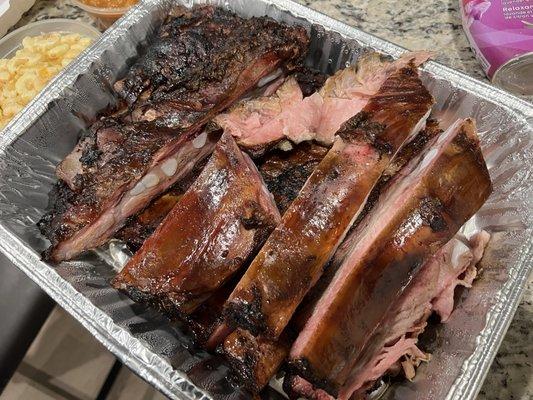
(501, 35)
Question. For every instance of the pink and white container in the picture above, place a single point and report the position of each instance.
(501, 35)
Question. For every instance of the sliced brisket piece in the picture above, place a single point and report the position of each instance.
(210, 234)
(285, 172)
(120, 166)
(423, 207)
(255, 360)
(294, 115)
(295, 254)
(260, 123)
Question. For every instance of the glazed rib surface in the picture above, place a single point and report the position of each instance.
(424, 207)
(295, 254)
(210, 234)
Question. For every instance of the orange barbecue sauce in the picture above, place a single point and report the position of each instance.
(110, 3)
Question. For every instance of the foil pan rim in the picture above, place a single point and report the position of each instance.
(130, 350)
(476, 367)
(158, 370)
(436, 68)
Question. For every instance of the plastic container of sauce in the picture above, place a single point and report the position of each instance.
(106, 12)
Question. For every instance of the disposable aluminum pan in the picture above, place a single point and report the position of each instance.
(47, 130)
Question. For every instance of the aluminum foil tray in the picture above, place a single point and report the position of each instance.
(154, 348)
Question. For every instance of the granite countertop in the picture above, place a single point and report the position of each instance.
(422, 24)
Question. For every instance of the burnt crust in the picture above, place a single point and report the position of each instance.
(430, 210)
(309, 80)
(285, 173)
(248, 315)
(403, 156)
(402, 94)
(363, 128)
(254, 359)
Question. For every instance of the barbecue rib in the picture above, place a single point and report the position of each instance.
(265, 355)
(393, 346)
(128, 160)
(287, 114)
(261, 45)
(423, 208)
(296, 252)
(210, 234)
(139, 227)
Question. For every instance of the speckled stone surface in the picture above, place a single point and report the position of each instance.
(423, 24)
(45, 9)
(414, 24)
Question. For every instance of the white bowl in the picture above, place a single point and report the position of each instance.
(11, 11)
(13, 41)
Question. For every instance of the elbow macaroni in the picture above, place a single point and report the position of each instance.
(39, 60)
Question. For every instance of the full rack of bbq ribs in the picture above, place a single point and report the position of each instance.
(292, 221)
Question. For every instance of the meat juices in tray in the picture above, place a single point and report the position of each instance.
(289, 220)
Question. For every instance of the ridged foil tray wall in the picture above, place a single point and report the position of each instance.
(47, 130)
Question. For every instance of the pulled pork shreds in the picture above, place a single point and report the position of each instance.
(456, 262)
(458, 268)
